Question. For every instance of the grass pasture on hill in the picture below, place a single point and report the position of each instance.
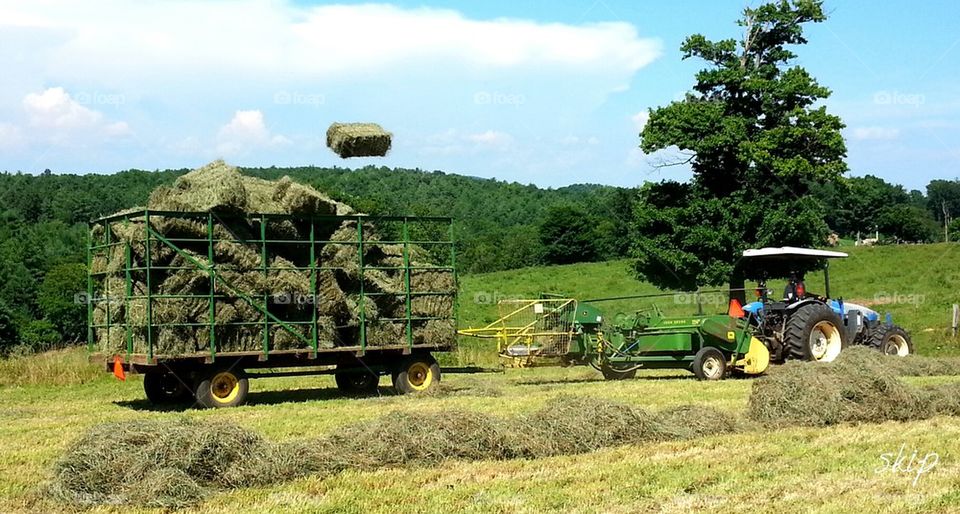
(48, 401)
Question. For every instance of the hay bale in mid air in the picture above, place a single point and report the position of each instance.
(358, 140)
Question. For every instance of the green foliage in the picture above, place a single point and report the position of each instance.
(855, 204)
(908, 223)
(57, 299)
(567, 234)
(39, 335)
(943, 198)
(755, 140)
(8, 329)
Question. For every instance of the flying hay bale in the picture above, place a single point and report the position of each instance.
(358, 140)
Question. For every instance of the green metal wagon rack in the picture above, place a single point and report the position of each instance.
(216, 373)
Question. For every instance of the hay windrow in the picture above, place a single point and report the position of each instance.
(862, 386)
(176, 464)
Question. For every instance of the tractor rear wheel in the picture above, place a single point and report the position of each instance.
(611, 373)
(814, 333)
(709, 364)
(891, 340)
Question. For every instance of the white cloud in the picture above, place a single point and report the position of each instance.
(245, 132)
(262, 36)
(640, 119)
(54, 108)
(491, 138)
(875, 133)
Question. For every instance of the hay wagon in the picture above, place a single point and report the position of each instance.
(200, 302)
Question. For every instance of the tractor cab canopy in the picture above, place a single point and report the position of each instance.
(787, 262)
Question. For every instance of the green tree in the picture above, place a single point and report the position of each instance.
(755, 139)
(8, 329)
(567, 234)
(908, 223)
(39, 335)
(57, 299)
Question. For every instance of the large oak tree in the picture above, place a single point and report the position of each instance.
(756, 139)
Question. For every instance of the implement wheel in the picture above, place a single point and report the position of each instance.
(223, 388)
(611, 373)
(416, 374)
(164, 387)
(357, 382)
(709, 364)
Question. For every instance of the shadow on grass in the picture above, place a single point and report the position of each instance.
(262, 398)
(557, 381)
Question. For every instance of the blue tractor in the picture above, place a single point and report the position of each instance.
(801, 324)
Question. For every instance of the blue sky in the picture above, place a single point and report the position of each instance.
(550, 93)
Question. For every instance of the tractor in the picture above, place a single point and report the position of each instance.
(801, 325)
(805, 325)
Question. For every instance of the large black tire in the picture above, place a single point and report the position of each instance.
(709, 364)
(814, 333)
(164, 387)
(611, 373)
(891, 340)
(416, 374)
(357, 383)
(219, 388)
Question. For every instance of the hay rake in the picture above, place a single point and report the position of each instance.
(530, 329)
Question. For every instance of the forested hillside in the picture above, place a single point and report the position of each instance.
(43, 232)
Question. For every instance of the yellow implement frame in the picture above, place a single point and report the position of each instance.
(530, 329)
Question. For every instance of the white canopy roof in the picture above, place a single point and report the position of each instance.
(790, 251)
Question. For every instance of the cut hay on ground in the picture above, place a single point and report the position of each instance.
(175, 464)
(281, 279)
(862, 386)
(358, 140)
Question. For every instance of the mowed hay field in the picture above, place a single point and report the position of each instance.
(46, 402)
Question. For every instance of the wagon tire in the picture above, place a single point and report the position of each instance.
(165, 387)
(416, 374)
(357, 382)
(220, 388)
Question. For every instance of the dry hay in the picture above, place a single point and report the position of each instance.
(358, 140)
(693, 421)
(175, 464)
(857, 388)
(285, 287)
(167, 464)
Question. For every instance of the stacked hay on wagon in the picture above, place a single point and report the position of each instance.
(278, 274)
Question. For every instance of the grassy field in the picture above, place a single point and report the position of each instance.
(47, 401)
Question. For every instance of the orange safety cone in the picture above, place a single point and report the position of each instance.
(735, 310)
(118, 368)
